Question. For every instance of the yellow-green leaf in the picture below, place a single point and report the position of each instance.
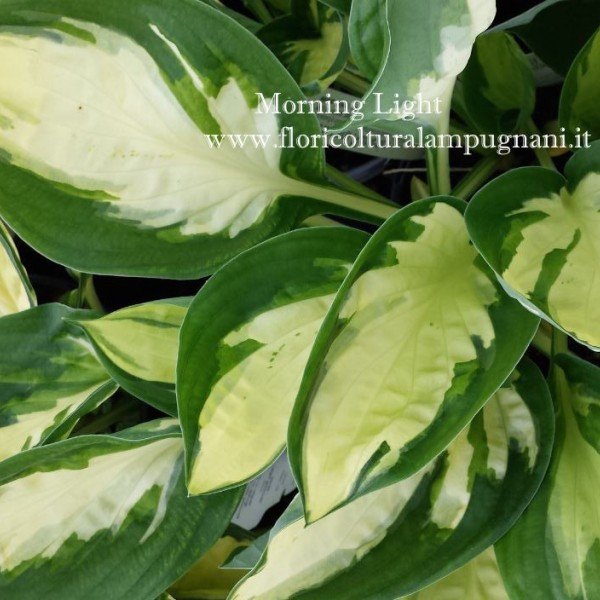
(415, 343)
(138, 346)
(540, 232)
(554, 550)
(478, 580)
(244, 346)
(399, 539)
(97, 517)
(49, 377)
(16, 293)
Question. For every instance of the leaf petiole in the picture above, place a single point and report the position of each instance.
(475, 179)
(346, 182)
(260, 10)
(353, 83)
(541, 154)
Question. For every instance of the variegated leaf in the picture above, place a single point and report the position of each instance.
(417, 66)
(108, 113)
(138, 346)
(554, 550)
(98, 517)
(244, 346)
(311, 43)
(479, 579)
(540, 233)
(16, 293)
(49, 377)
(579, 99)
(418, 338)
(396, 540)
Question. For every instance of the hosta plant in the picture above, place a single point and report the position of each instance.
(237, 368)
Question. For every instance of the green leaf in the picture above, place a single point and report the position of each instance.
(419, 336)
(251, 327)
(579, 98)
(138, 346)
(344, 6)
(129, 92)
(311, 43)
(367, 34)
(419, 66)
(539, 231)
(99, 517)
(49, 377)
(403, 537)
(556, 30)
(554, 550)
(247, 22)
(277, 6)
(16, 293)
(478, 580)
(249, 557)
(498, 85)
(206, 580)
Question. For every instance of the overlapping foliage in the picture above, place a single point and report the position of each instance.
(380, 349)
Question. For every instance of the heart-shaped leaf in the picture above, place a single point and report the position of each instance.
(138, 346)
(554, 550)
(98, 517)
(16, 293)
(113, 116)
(251, 329)
(311, 43)
(419, 337)
(403, 537)
(539, 231)
(49, 377)
(579, 99)
(498, 85)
